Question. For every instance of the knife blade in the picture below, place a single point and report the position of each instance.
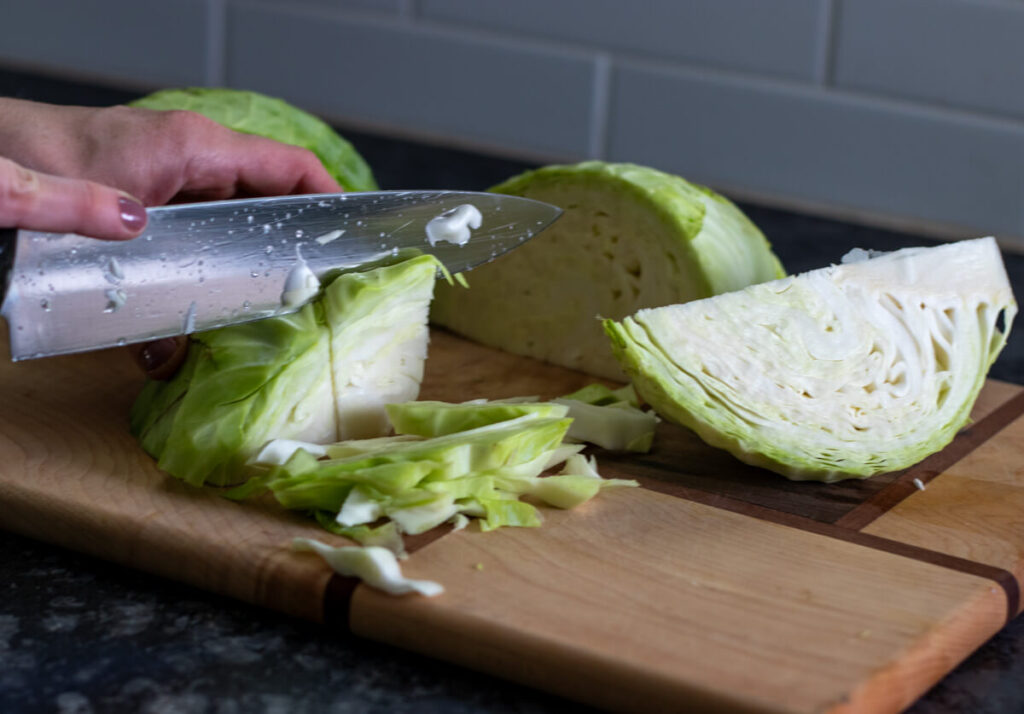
(205, 265)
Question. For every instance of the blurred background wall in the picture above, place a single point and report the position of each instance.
(899, 112)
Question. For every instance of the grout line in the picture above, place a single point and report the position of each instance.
(828, 32)
(600, 106)
(216, 29)
(410, 19)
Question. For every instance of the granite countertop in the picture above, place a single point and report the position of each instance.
(81, 635)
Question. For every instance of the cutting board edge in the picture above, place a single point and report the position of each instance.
(282, 581)
(925, 662)
(610, 685)
(601, 686)
(424, 626)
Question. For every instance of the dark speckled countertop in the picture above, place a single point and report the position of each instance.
(78, 635)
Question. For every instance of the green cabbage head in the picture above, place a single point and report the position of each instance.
(253, 113)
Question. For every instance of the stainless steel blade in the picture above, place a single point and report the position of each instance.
(206, 265)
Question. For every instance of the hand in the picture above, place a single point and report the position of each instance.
(91, 171)
(156, 156)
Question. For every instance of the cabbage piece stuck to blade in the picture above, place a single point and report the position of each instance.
(843, 372)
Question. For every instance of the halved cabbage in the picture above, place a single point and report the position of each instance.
(319, 375)
(631, 237)
(847, 371)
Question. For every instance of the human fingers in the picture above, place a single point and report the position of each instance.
(38, 201)
(233, 164)
(269, 168)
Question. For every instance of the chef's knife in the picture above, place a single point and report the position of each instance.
(205, 265)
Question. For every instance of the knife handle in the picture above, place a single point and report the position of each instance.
(8, 241)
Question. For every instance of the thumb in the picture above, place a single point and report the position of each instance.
(41, 202)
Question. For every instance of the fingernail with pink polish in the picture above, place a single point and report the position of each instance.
(133, 214)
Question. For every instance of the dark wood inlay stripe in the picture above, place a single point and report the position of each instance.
(1004, 578)
(903, 486)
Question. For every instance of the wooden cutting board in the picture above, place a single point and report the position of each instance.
(717, 587)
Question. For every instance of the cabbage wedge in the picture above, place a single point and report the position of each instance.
(843, 372)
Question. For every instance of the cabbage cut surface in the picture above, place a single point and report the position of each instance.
(378, 342)
(847, 371)
(631, 237)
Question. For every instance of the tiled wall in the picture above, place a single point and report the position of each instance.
(905, 110)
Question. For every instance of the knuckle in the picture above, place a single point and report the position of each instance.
(19, 188)
(299, 153)
(189, 134)
(92, 195)
(186, 124)
(307, 157)
(301, 160)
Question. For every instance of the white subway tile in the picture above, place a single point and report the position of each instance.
(818, 146)
(953, 52)
(779, 37)
(421, 81)
(143, 42)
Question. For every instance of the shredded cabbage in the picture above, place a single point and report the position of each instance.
(374, 565)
